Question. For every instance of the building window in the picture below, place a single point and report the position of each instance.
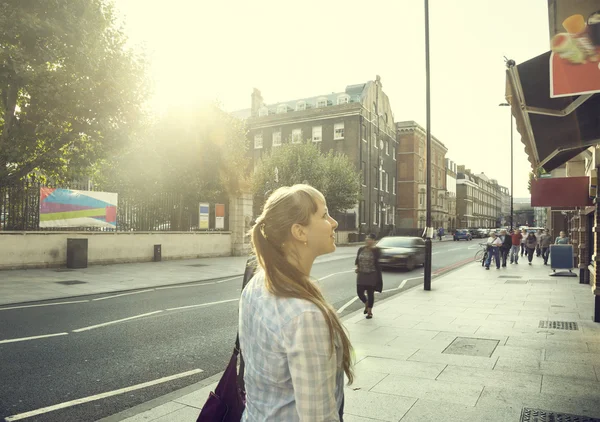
(282, 108)
(322, 102)
(381, 176)
(394, 185)
(338, 131)
(362, 211)
(387, 147)
(381, 144)
(363, 170)
(301, 105)
(364, 133)
(296, 136)
(317, 133)
(394, 153)
(375, 180)
(420, 171)
(263, 111)
(375, 213)
(277, 138)
(393, 215)
(343, 99)
(258, 141)
(387, 182)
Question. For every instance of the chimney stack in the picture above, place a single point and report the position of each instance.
(256, 103)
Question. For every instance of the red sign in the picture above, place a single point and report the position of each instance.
(575, 58)
(561, 192)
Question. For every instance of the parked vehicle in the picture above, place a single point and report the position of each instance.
(401, 252)
(462, 234)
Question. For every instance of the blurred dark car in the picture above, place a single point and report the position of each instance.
(401, 252)
(462, 234)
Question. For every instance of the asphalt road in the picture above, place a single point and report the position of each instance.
(183, 332)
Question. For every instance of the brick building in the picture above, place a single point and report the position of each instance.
(412, 167)
(478, 200)
(451, 169)
(357, 122)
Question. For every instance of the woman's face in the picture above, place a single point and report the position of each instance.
(320, 235)
(562, 234)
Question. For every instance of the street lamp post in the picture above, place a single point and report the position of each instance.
(511, 163)
(427, 272)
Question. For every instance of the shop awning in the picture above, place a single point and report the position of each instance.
(561, 192)
(553, 130)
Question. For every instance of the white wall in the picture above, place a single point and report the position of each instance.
(49, 249)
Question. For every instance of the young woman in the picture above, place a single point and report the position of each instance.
(530, 243)
(562, 239)
(368, 274)
(295, 348)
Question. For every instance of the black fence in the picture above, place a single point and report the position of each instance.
(159, 211)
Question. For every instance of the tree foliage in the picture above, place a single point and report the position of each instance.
(535, 175)
(198, 152)
(332, 173)
(71, 91)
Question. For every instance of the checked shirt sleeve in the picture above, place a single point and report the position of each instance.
(312, 367)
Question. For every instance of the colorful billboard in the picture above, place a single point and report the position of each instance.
(77, 208)
(204, 214)
(575, 58)
(219, 216)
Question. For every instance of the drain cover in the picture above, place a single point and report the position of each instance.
(515, 282)
(509, 276)
(559, 325)
(472, 347)
(537, 415)
(197, 265)
(71, 282)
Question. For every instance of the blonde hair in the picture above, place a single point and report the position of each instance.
(284, 208)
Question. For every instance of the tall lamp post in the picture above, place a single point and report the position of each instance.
(427, 275)
(511, 163)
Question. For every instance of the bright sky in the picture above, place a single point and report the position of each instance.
(204, 50)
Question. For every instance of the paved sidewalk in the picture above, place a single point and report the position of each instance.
(18, 286)
(472, 349)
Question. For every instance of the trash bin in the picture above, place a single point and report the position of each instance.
(77, 253)
(157, 253)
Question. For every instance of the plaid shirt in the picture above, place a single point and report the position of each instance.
(290, 374)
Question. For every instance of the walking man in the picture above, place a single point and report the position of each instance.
(506, 246)
(545, 242)
(493, 245)
(516, 238)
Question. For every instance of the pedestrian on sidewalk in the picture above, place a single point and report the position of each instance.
(545, 242)
(506, 246)
(368, 274)
(562, 239)
(524, 237)
(530, 244)
(538, 237)
(296, 350)
(516, 237)
(493, 245)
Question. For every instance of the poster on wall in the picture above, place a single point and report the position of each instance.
(77, 208)
(219, 216)
(575, 58)
(204, 214)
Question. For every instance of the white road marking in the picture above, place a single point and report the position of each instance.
(43, 304)
(91, 327)
(343, 308)
(331, 275)
(434, 253)
(100, 396)
(197, 284)
(123, 294)
(402, 284)
(229, 279)
(455, 249)
(15, 340)
(201, 304)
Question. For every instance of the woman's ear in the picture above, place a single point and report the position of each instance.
(298, 232)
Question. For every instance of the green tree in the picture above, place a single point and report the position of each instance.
(71, 91)
(332, 173)
(535, 175)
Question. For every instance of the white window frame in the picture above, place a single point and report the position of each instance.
(258, 141)
(277, 138)
(381, 144)
(263, 111)
(387, 181)
(375, 213)
(321, 102)
(301, 106)
(296, 136)
(387, 147)
(394, 183)
(343, 99)
(336, 128)
(394, 152)
(282, 108)
(318, 129)
(381, 173)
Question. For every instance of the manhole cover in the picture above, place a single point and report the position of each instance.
(472, 347)
(537, 415)
(559, 325)
(515, 282)
(509, 276)
(71, 282)
(197, 265)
